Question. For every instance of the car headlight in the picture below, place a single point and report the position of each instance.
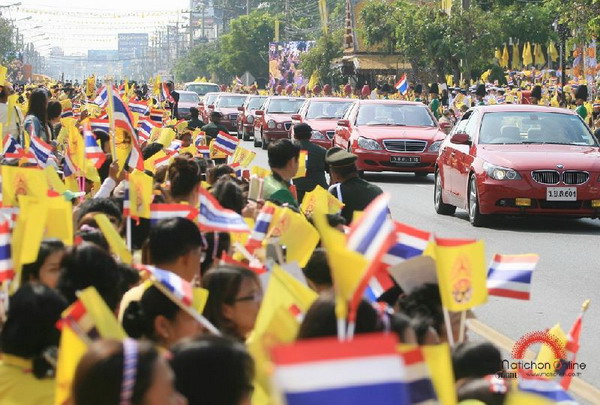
(250, 119)
(500, 173)
(271, 124)
(370, 144)
(435, 147)
(318, 135)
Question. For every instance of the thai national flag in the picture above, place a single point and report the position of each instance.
(6, 266)
(69, 167)
(93, 152)
(402, 85)
(365, 370)
(11, 145)
(41, 150)
(203, 150)
(165, 211)
(510, 275)
(166, 94)
(98, 124)
(78, 317)
(549, 389)
(420, 387)
(226, 143)
(138, 106)
(122, 115)
(238, 81)
(156, 115)
(261, 227)
(66, 113)
(410, 242)
(178, 288)
(145, 126)
(102, 97)
(174, 146)
(213, 217)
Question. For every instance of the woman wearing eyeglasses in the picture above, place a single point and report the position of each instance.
(234, 298)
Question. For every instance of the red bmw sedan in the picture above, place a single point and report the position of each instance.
(518, 159)
(390, 135)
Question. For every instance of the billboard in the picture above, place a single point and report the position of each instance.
(284, 62)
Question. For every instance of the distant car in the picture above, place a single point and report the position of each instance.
(228, 104)
(202, 88)
(187, 100)
(274, 120)
(518, 160)
(207, 105)
(322, 114)
(245, 120)
(390, 135)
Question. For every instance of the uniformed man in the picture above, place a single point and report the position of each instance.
(480, 94)
(348, 187)
(315, 163)
(581, 95)
(283, 161)
(212, 130)
(418, 93)
(434, 104)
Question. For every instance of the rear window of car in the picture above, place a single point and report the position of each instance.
(202, 89)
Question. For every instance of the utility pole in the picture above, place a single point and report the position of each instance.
(247, 7)
(191, 28)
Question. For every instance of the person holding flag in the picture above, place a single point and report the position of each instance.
(283, 161)
(315, 162)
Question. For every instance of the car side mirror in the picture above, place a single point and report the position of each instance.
(241, 109)
(296, 117)
(445, 125)
(260, 113)
(211, 106)
(344, 123)
(460, 138)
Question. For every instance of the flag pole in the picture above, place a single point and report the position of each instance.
(111, 118)
(448, 326)
(128, 234)
(461, 333)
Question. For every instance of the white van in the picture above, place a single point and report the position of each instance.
(202, 88)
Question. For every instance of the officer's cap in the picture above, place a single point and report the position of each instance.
(338, 157)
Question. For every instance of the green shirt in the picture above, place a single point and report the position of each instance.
(212, 130)
(435, 108)
(356, 194)
(275, 189)
(582, 111)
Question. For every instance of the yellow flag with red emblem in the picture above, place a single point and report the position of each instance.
(461, 273)
(18, 181)
(140, 194)
(242, 157)
(260, 172)
(287, 226)
(320, 201)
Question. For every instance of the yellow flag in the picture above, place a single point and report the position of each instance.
(151, 163)
(314, 80)
(516, 58)
(76, 147)
(117, 244)
(104, 319)
(59, 222)
(515, 397)
(440, 370)
(288, 226)
(200, 296)
(546, 354)
(259, 171)
(3, 71)
(166, 136)
(34, 212)
(504, 60)
(71, 350)
(461, 273)
(540, 60)
(54, 180)
(242, 156)
(552, 52)
(527, 55)
(140, 194)
(181, 127)
(301, 164)
(320, 201)
(498, 54)
(18, 181)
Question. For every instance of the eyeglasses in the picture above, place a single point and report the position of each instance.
(255, 297)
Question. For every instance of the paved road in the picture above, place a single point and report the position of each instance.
(568, 272)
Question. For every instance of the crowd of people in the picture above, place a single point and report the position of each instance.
(170, 353)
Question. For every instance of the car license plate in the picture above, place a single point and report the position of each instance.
(561, 194)
(405, 159)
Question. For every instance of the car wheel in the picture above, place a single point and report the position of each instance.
(245, 135)
(421, 174)
(264, 142)
(475, 217)
(257, 141)
(438, 203)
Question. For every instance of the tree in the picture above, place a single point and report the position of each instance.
(320, 57)
(201, 61)
(7, 45)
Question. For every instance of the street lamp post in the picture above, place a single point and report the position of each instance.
(563, 33)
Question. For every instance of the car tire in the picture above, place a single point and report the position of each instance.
(476, 218)
(264, 143)
(438, 203)
(245, 135)
(257, 141)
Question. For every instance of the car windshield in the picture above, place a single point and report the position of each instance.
(284, 105)
(394, 115)
(208, 100)
(202, 89)
(255, 103)
(533, 127)
(327, 109)
(188, 97)
(231, 101)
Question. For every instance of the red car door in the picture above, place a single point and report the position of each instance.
(464, 158)
(449, 157)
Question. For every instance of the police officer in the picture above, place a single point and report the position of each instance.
(348, 187)
(315, 162)
(212, 130)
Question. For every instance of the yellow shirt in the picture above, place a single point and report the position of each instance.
(18, 386)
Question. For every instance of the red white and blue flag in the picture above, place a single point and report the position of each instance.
(102, 97)
(138, 106)
(41, 150)
(402, 84)
(6, 266)
(69, 167)
(571, 349)
(66, 113)
(174, 146)
(93, 152)
(420, 387)
(365, 370)
(226, 143)
(156, 115)
(11, 145)
(213, 217)
(145, 126)
(261, 227)
(166, 93)
(158, 212)
(98, 124)
(549, 389)
(410, 242)
(124, 120)
(180, 289)
(510, 275)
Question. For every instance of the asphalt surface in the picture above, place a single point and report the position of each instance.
(566, 275)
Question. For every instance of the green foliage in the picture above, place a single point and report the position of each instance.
(320, 57)
(202, 61)
(7, 46)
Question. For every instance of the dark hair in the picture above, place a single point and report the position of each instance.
(302, 131)
(320, 319)
(212, 370)
(101, 205)
(281, 152)
(335, 220)
(31, 271)
(223, 284)
(216, 244)
(172, 238)
(194, 112)
(480, 389)
(317, 269)
(400, 324)
(139, 316)
(229, 194)
(217, 172)
(95, 236)
(184, 176)
(475, 359)
(151, 149)
(30, 328)
(38, 105)
(54, 109)
(89, 265)
(421, 325)
(99, 374)
(102, 136)
(425, 301)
